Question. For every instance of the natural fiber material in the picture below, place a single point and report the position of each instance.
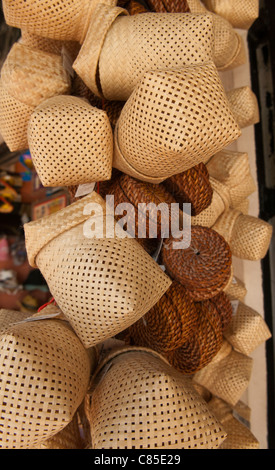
(234, 171)
(227, 376)
(171, 6)
(221, 200)
(244, 105)
(239, 435)
(65, 20)
(247, 330)
(141, 402)
(203, 268)
(40, 395)
(8, 317)
(248, 236)
(39, 43)
(236, 289)
(102, 283)
(128, 49)
(151, 148)
(240, 13)
(71, 142)
(191, 186)
(67, 438)
(224, 308)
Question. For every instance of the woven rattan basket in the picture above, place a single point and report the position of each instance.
(203, 268)
(240, 13)
(244, 105)
(139, 401)
(171, 6)
(248, 236)
(71, 142)
(236, 289)
(151, 148)
(102, 281)
(28, 77)
(45, 373)
(120, 48)
(68, 438)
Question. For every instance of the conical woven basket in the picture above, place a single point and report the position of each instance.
(234, 171)
(102, 281)
(141, 402)
(247, 330)
(45, 376)
(240, 13)
(71, 142)
(244, 105)
(204, 267)
(131, 45)
(248, 236)
(151, 148)
(228, 375)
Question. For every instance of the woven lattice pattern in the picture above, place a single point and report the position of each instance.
(143, 403)
(8, 317)
(244, 105)
(71, 142)
(236, 289)
(240, 13)
(172, 6)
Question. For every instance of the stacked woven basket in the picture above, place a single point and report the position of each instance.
(141, 346)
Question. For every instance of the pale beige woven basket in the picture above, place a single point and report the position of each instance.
(8, 317)
(240, 13)
(244, 105)
(236, 289)
(221, 201)
(68, 438)
(71, 142)
(129, 46)
(228, 375)
(45, 374)
(247, 329)
(173, 121)
(101, 281)
(139, 401)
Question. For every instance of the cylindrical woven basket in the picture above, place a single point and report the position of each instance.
(45, 376)
(151, 148)
(102, 281)
(244, 105)
(203, 268)
(139, 401)
(71, 142)
(247, 330)
(120, 48)
(234, 171)
(191, 186)
(227, 376)
(240, 13)
(248, 236)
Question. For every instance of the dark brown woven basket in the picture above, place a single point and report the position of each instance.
(191, 186)
(224, 308)
(204, 268)
(169, 6)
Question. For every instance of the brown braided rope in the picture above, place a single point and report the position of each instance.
(191, 186)
(224, 308)
(169, 6)
(204, 268)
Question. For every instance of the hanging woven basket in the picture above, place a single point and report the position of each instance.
(240, 13)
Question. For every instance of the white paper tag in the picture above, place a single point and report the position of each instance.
(235, 305)
(234, 281)
(84, 189)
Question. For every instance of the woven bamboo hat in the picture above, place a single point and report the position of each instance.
(191, 186)
(71, 142)
(240, 13)
(151, 148)
(45, 376)
(128, 46)
(139, 401)
(244, 105)
(102, 281)
(247, 329)
(204, 267)
(248, 236)
(28, 77)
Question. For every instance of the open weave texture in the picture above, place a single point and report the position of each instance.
(239, 435)
(244, 105)
(68, 438)
(229, 49)
(233, 169)
(236, 289)
(248, 236)
(117, 278)
(39, 43)
(228, 375)
(240, 13)
(198, 123)
(62, 20)
(139, 401)
(8, 317)
(127, 49)
(45, 373)
(247, 329)
(71, 142)
(191, 186)
(203, 267)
